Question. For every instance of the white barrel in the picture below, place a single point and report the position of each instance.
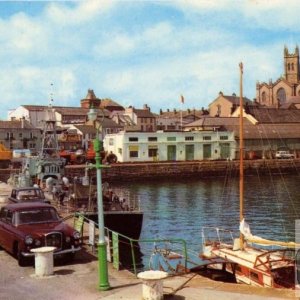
(43, 261)
(152, 284)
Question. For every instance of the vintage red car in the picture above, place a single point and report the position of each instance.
(24, 226)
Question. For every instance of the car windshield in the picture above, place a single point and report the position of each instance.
(37, 215)
(30, 194)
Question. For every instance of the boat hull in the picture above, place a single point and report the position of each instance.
(127, 223)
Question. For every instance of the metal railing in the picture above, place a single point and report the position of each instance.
(168, 254)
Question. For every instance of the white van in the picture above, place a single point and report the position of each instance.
(19, 153)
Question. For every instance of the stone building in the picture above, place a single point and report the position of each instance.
(224, 106)
(284, 89)
(174, 120)
(266, 130)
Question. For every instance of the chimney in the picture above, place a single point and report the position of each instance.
(22, 122)
(146, 107)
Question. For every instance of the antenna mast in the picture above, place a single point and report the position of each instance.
(49, 141)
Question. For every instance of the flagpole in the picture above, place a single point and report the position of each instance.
(182, 101)
(181, 115)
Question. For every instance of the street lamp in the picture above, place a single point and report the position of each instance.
(102, 256)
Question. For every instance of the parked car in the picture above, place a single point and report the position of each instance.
(24, 226)
(284, 154)
(27, 194)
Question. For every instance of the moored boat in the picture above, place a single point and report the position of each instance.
(248, 257)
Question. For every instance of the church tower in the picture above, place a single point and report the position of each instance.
(291, 65)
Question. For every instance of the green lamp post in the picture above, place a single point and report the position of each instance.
(102, 256)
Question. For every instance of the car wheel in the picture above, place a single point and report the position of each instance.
(22, 261)
(18, 253)
(68, 258)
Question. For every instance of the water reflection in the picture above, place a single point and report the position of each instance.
(179, 208)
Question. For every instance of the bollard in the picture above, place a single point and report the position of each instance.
(152, 284)
(43, 257)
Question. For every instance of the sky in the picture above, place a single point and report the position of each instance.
(141, 52)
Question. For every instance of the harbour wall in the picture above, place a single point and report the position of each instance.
(196, 169)
(185, 169)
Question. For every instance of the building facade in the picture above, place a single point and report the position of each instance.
(224, 106)
(142, 119)
(20, 134)
(277, 93)
(170, 146)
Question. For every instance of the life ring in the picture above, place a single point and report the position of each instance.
(112, 158)
(80, 159)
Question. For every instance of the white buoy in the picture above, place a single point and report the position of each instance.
(153, 284)
(43, 261)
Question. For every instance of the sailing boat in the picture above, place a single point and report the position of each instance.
(251, 265)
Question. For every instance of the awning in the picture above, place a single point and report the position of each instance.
(133, 148)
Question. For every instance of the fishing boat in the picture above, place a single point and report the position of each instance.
(45, 167)
(122, 211)
(47, 171)
(249, 257)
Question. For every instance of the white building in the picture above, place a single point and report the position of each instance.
(171, 146)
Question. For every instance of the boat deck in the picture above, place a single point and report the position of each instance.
(249, 256)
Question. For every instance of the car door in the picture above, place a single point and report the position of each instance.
(6, 232)
(3, 212)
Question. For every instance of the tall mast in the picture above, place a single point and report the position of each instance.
(241, 155)
(49, 141)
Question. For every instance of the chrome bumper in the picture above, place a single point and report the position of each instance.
(60, 252)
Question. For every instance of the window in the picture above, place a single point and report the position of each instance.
(223, 137)
(9, 135)
(152, 139)
(171, 138)
(254, 276)
(111, 142)
(9, 216)
(20, 135)
(206, 138)
(189, 138)
(133, 151)
(263, 97)
(120, 151)
(152, 152)
(281, 95)
(133, 139)
(218, 110)
(238, 268)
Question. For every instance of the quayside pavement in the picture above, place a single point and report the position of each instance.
(79, 280)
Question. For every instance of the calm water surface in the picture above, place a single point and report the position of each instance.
(179, 208)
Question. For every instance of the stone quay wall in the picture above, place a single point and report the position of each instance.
(195, 169)
(168, 170)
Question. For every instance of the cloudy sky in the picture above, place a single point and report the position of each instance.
(138, 52)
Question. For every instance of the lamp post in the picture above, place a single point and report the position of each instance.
(102, 256)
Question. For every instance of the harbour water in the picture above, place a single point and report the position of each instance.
(180, 208)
